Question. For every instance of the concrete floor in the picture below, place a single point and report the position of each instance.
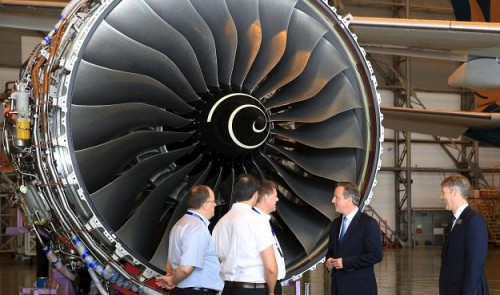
(402, 271)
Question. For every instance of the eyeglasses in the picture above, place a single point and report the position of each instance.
(211, 201)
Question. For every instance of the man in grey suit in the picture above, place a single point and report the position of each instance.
(354, 246)
(464, 252)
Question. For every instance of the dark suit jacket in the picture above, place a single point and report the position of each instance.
(360, 249)
(463, 257)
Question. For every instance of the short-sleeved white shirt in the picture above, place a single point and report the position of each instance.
(240, 236)
(278, 253)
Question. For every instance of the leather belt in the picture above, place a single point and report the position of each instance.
(245, 285)
(211, 291)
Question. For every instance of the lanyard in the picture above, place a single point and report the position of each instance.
(196, 215)
(274, 234)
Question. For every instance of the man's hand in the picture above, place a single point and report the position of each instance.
(332, 263)
(165, 282)
(329, 263)
(337, 263)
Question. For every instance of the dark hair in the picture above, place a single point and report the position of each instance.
(266, 188)
(350, 191)
(459, 182)
(245, 186)
(198, 195)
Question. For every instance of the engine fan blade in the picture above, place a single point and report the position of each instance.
(154, 64)
(301, 221)
(196, 31)
(306, 34)
(160, 36)
(275, 17)
(341, 131)
(334, 164)
(215, 180)
(246, 16)
(140, 229)
(225, 35)
(117, 199)
(316, 192)
(100, 164)
(92, 125)
(318, 72)
(338, 96)
(293, 250)
(225, 190)
(117, 87)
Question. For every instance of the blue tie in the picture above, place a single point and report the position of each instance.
(343, 228)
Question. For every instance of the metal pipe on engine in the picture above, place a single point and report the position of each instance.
(51, 256)
(107, 272)
(69, 8)
(96, 281)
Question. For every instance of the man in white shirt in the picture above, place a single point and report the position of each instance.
(245, 244)
(266, 204)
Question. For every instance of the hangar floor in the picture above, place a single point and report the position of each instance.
(412, 271)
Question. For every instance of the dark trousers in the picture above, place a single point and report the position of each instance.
(278, 289)
(238, 291)
(243, 291)
(180, 291)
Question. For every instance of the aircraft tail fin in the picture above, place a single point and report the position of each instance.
(486, 97)
(477, 10)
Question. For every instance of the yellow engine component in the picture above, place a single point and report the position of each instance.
(23, 129)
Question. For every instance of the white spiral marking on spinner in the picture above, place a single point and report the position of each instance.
(231, 132)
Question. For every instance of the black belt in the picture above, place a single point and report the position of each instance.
(211, 291)
(245, 285)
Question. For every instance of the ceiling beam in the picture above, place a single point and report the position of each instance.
(48, 4)
(27, 22)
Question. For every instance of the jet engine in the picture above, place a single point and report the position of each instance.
(128, 103)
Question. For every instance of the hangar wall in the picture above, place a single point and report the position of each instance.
(425, 154)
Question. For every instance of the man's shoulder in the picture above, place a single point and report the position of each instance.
(470, 214)
(242, 217)
(189, 226)
(366, 218)
(227, 218)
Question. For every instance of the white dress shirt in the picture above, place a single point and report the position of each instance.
(349, 216)
(239, 237)
(280, 260)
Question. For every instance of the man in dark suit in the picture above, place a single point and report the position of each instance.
(354, 247)
(465, 249)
